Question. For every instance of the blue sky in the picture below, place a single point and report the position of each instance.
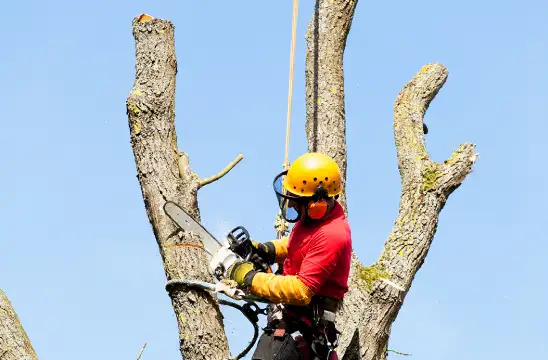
(78, 258)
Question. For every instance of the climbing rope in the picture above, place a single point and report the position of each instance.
(281, 226)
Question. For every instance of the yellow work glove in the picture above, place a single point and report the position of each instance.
(241, 272)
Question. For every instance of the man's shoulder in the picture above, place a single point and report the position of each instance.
(336, 231)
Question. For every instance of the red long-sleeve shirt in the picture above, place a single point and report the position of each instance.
(320, 254)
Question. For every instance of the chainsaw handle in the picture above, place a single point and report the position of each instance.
(240, 243)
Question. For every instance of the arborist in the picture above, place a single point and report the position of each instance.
(315, 262)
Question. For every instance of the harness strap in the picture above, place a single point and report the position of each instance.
(302, 344)
(328, 316)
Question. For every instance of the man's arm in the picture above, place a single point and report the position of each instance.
(280, 289)
(280, 248)
(318, 264)
(274, 251)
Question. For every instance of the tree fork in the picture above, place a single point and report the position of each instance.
(164, 173)
(426, 186)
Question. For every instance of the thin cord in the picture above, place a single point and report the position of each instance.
(291, 72)
(290, 97)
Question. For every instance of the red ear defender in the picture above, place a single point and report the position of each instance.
(317, 209)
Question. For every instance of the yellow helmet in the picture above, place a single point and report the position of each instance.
(311, 170)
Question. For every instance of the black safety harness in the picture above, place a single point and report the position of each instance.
(312, 327)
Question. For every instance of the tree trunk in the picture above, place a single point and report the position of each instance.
(164, 174)
(325, 114)
(14, 342)
(377, 292)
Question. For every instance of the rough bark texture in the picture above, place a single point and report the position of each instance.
(426, 185)
(151, 115)
(14, 342)
(377, 292)
(325, 114)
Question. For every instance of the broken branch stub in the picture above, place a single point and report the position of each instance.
(225, 171)
(142, 350)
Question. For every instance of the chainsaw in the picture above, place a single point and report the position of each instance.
(237, 240)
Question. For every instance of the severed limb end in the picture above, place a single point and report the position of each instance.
(144, 18)
(456, 168)
(213, 178)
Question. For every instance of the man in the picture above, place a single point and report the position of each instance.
(316, 263)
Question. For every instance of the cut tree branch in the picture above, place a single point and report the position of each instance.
(225, 171)
(164, 174)
(14, 342)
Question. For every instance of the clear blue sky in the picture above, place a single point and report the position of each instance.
(78, 258)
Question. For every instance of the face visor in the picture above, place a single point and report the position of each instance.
(291, 205)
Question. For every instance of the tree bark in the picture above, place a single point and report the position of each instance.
(377, 292)
(325, 112)
(14, 342)
(426, 186)
(164, 174)
(325, 118)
